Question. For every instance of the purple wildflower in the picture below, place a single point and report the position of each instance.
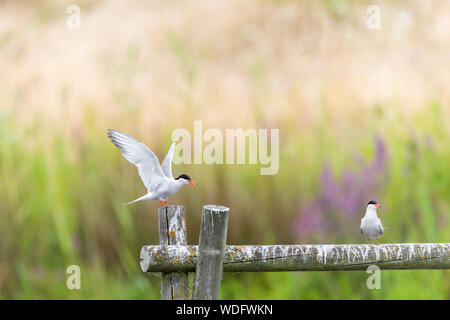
(340, 199)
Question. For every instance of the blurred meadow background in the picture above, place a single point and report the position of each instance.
(363, 114)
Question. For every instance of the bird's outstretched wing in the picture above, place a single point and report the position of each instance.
(166, 165)
(141, 156)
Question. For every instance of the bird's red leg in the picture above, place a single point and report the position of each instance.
(165, 203)
(162, 203)
(376, 243)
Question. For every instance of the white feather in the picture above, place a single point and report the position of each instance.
(371, 226)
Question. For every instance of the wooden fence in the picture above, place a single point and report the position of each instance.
(173, 258)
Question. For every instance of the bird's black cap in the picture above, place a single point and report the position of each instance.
(184, 176)
(372, 202)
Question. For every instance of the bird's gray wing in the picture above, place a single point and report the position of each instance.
(166, 165)
(380, 227)
(141, 156)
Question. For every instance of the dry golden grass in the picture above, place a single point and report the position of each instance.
(231, 63)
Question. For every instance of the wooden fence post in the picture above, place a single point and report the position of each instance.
(172, 231)
(213, 236)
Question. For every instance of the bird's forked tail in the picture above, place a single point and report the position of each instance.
(145, 197)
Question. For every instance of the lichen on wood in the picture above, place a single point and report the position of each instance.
(303, 257)
(210, 253)
(172, 232)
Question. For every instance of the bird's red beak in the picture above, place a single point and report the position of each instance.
(191, 182)
(378, 205)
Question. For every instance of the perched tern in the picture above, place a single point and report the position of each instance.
(370, 224)
(157, 178)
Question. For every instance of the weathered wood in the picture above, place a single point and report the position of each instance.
(209, 266)
(344, 257)
(172, 231)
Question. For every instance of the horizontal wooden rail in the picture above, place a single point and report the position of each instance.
(345, 257)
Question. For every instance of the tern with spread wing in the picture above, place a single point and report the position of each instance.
(370, 224)
(157, 178)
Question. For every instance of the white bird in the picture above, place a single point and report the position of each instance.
(371, 226)
(157, 178)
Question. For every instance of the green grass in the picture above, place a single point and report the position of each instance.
(61, 205)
